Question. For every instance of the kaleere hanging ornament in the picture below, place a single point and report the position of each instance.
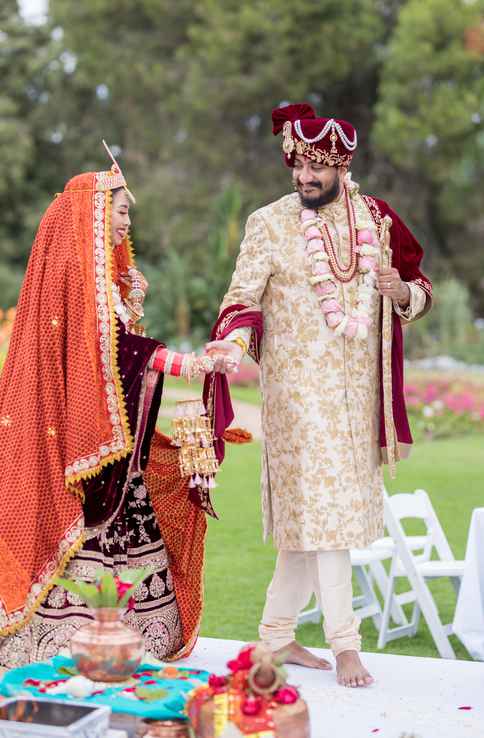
(192, 433)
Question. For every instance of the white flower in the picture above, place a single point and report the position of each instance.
(77, 686)
(428, 411)
(321, 278)
(362, 331)
(312, 222)
(367, 250)
(341, 326)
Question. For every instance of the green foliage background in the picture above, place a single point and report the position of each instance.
(184, 91)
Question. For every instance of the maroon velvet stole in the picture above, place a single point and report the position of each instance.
(216, 394)
(406, 257)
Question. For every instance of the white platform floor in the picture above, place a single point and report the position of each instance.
(419, 697)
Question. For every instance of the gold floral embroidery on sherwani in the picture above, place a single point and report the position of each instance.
(321, 475)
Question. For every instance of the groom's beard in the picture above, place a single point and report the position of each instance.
(326, 195)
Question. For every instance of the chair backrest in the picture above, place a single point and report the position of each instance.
(418, 505)
(395, 509)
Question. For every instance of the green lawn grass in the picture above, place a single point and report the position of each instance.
(239, 566)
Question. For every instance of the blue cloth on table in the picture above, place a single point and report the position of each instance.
(169, 707)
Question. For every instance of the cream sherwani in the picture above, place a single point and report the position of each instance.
(321, 473)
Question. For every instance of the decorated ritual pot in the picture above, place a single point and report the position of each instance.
(254, 699)
(107, 650)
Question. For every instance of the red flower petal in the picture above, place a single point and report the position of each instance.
(216, 682)
(251, 706)
(286, 695)
(245, 657)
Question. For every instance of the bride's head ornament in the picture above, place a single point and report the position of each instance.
(113, 178)
(324, 140)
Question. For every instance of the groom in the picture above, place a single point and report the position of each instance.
(310, 269)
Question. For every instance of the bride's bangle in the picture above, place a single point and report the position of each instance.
(181, 365)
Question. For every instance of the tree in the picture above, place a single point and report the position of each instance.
(183, 92)
(245, 58)
(25, 55)
(126, 89)
(429, 123)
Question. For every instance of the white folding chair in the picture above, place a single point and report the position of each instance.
(369, 571)
(418, 568)
(366, 604)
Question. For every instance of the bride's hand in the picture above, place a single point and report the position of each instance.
(134, 279)
(203, 364)
(227, 355)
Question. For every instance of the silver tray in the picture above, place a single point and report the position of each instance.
(53, 718)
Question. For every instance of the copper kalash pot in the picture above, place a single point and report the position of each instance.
(107, 650)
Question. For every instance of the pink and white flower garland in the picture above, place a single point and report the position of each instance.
(321, 253)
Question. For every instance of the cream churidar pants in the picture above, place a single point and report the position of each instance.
(299, 574)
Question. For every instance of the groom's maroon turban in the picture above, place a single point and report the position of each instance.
(325, 140)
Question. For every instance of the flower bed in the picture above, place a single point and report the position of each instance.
(444, 406)
(247, 376)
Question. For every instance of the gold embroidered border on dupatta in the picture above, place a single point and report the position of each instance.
(394, 451)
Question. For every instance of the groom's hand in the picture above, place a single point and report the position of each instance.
(227, 355)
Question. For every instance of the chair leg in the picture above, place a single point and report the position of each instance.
(415, 619)
(370, 601)
(425, 605)
(456, 582)
(431, 615)
(387, 608)
(381, 578)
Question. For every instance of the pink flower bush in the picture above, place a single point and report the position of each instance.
(247, 376)
(442, 407)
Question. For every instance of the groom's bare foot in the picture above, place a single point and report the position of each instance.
(350, 672)
(296, 654)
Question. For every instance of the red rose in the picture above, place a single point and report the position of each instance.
(216, 682)
(121, 587)
(234, 665)
(286, 695)
(245, 657)
(251, 706)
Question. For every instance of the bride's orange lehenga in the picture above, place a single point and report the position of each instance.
(86, 481)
